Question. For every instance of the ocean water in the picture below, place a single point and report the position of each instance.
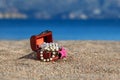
(62, 29)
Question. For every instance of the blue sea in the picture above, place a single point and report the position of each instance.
(62, 29)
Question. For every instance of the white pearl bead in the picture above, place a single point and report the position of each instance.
(41, 55)
(51, 59)
(52, 49)
(44, 60)
(57, 49)
(41, 52)
(45, 48)
(53, 55)
(48, 59)
(53, 52)
(48, 49)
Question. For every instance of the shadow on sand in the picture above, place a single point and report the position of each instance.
(31, 55)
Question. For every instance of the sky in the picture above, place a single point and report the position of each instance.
(60, 9)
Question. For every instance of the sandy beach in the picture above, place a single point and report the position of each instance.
(86, 60)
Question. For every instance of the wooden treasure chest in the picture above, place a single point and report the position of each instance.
(42, 44)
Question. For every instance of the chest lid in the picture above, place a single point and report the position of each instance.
(37, 40)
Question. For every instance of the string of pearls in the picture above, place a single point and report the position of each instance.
(47, 48)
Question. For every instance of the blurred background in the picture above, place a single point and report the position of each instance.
(68, 19)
